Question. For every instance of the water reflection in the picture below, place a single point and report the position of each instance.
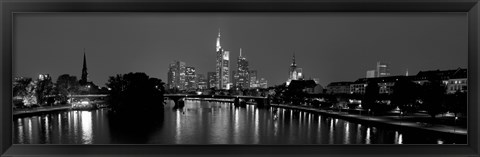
(201, 122)
(87, 133)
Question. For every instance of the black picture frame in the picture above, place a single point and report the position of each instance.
(8, 7)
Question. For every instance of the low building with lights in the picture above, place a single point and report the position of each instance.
(339, 87)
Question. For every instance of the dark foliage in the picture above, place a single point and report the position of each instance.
(20, 87)
(370, 98)
(135, 93)
(457, 103)
(433, 96)
(67, 85)
(405, 94)
(44, 88)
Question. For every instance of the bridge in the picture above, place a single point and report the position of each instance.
(238, 100)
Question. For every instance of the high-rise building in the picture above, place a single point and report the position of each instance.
(263, 83)
(234, 78)
(171, 75)
(190, 78)
(371, 73)
(294, 73)
(253, 79)
(176, 75)
(202, 82)
(242, 72)
(211, 80)
(222, 66)
(383, 69)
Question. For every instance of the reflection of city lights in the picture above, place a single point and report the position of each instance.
(87, 128)
(367, 138)
(439, 141)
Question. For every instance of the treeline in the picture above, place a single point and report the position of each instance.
(28, 92)
(135, 93)
(407, 97)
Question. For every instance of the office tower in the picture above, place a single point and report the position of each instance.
(176, 75)
(383, 69)
(242, 72)
(211, 80)
(190, 78)
(222, 66)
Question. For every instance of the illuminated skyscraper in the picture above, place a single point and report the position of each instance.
(171, 75)
(190, 78)
(176, 75)
(211, 80)
(253, 79)
(383, 69)
(242, 77)
(202, 81)
(371, 73)
(222, 66)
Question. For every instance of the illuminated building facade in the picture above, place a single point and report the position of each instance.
(211, 80)
(176, 75)
(383, 69)
(202, 81)
(190, 78)
(222, 66)
(295, 73)
(242, 77)
(253, 79)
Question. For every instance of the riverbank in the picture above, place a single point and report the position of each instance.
(40, 110)
(385, 121)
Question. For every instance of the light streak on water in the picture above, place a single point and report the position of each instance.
(87, 127)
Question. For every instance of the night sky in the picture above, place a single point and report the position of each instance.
(328, 46)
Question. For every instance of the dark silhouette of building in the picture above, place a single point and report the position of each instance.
(84, 79)
(86, 87)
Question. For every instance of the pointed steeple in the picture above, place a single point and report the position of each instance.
(84, 78)
(293, 60)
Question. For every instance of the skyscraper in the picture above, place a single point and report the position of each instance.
(242, 72)
(190, 78)
(383, 69)
(263, 83)
(176, 75)
(202, 82)
(253, 79)
(172, 75)
(371, 73)
(211, 80)
(222, 66)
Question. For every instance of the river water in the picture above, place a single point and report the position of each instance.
(201, 122)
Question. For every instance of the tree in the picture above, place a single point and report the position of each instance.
(371, 95)
(67, 85)
(433, 95)
(44, 89)
(457, 102)
(404, 94)
(20, 87)
(135, 93)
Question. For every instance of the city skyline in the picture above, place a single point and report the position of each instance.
(259, 44)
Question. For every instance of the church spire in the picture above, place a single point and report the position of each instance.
(84, 69)
(293, 60)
